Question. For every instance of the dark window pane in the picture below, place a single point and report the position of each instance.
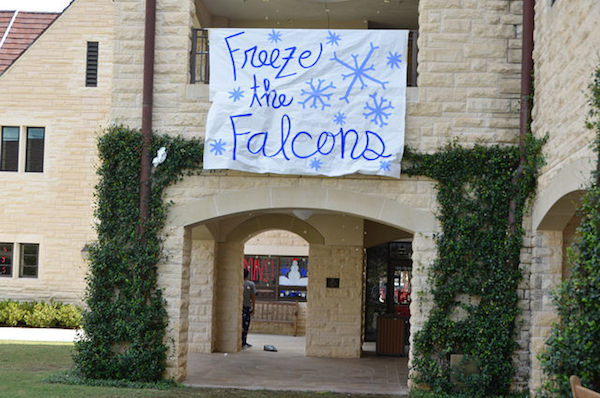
(35, 149)
(9, 158)
(29, 259)
(6, 259)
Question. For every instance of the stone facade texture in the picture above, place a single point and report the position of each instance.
(468, 91)
(566, 43)
(45, 87)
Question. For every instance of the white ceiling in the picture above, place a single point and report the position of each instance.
(399, 14)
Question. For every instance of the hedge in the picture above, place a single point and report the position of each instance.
(40, 315)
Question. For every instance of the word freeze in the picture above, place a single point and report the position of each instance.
(287, 62)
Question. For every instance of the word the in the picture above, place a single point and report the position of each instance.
(270, 97)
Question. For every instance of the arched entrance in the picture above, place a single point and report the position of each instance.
(210, 234)
(554, 220)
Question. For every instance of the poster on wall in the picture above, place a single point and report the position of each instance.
(307, 102)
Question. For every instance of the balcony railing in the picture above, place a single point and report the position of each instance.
(199, 57)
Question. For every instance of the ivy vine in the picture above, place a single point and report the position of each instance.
(125, 320)
(574, 343)
(475, 277)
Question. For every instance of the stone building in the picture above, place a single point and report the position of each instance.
(467, 90)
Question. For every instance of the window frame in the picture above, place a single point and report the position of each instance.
(3, 245)
(2, 148)
(27, 154)
(22, 264)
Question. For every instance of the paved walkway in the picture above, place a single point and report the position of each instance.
(289, 369)
(38, 334)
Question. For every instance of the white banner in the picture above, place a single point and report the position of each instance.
(310, 102)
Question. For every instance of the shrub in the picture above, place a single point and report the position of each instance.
(40, 315)
(69, 316)
(12, 314)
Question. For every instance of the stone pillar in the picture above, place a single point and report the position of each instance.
(334, 322)
(546, 274)
(229, 280)
(202, 281)
(424, 253)
(521, 356)
(173, 279)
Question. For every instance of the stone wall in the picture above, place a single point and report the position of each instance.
(46, 88)
(469, 84)
(283, 329)
(334, 326)
(565, 56)
(276, 243)
(546, 273)
(469, 73)
(201, 306)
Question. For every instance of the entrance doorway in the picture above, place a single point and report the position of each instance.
(278, 264)
(387, 298)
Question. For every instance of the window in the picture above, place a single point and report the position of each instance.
(6, 259)
(35, 149)
(29, 260)
(91, 65)
(278, 277)
(9, 156)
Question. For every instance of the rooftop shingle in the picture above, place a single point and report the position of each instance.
(26, 28)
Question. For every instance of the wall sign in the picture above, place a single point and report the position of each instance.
(333, 283)
(310, 102)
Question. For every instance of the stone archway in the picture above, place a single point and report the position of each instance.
(554, 221)
(204, 249)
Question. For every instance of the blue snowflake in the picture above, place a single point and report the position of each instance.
(316, 94)
(274, 36)
(378, 110)
(333, 38)
(384, 165)
(394, 60)
(236, 94)
(218, 147)
(358, 72)
(315, 164)
(339, 118)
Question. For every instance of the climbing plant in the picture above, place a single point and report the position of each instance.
(125, 320)
(574, 343)
(475, 278)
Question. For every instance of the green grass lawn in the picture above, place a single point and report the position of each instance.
(24, 366)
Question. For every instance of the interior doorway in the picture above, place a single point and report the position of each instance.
(388, 298)
(278, 264)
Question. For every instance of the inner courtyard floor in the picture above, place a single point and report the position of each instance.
(289, 369)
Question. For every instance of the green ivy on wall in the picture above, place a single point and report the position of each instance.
(574, 343)
(125, 320)
(475, 277)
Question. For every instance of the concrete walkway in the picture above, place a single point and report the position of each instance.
(38, 334)
(289, 369)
